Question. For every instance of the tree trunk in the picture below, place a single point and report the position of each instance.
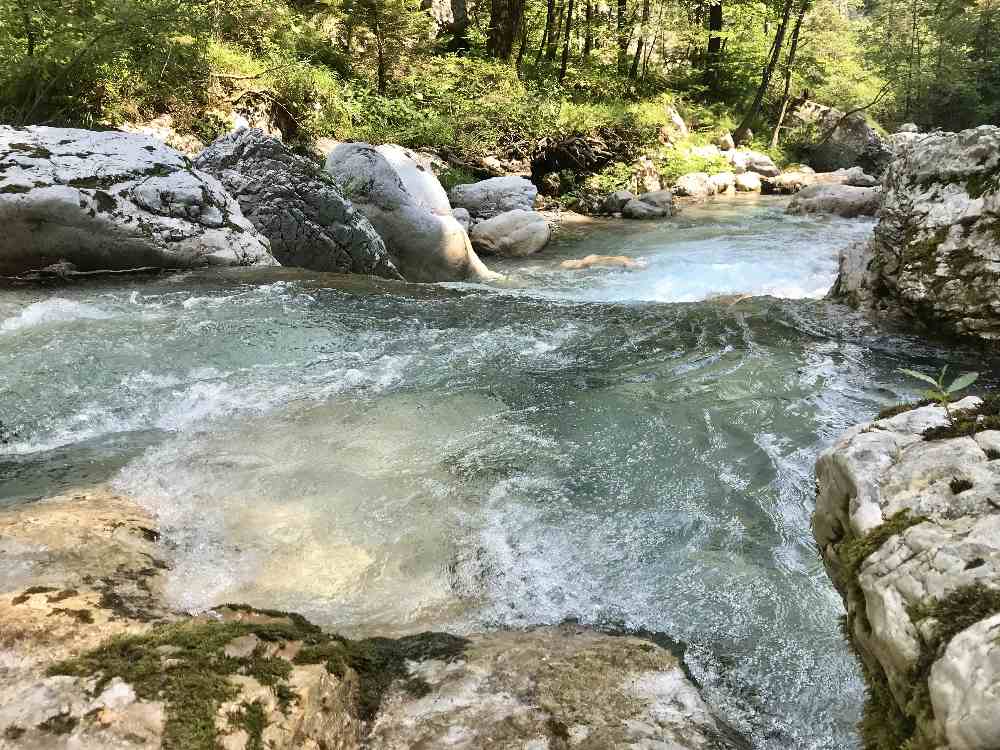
(550, 19)
(566, 38)
(523, 47)
(640, 43)
(623, 36)
(588, 37)
(714, 53)
(505, 21)
(553, 45)
(741, 132)
(789, 65)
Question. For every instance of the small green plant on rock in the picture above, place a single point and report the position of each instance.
(939, 392)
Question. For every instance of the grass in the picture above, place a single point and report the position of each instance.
(967, 423)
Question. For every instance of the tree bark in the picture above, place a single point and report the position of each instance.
(505, 22)
(623, 36)
(640, 43)
(553, 45)
(566, 39)
(789, 66)
(550, 19)
(714, 54)
(588, 37)
(740, 134)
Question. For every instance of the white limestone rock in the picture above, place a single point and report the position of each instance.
(410, 211)
(513, 234)
(110, 201)
(497, 195)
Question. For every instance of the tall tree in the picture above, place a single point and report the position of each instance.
(588, 37)
(637, 58)
(714, 56)
(566, 39)
(789, 68)
(506, 17)
(741, 133)
(623, 36)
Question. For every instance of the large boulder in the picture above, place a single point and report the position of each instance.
(640, 209)
(660, 198)
(112, 200)
(723, 182)
(613, 203)
(296, 205)
(512, 234)
(554, 687)
(795, 179)
(935, 254)
(842, 200)
(492, 197)
(839, 142)
(906, 521)
(694, 185)
(410, 211)
(748, 182)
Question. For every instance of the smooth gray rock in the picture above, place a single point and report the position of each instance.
(935, 254)
(112, 200)
(296, 205)
(694, 185)
(497, 195)
(842, 200)
(410, 211)
(723, 182)
(639, 209)
(512, 234)
(908, 127)
(748, 182)
(462, 217)
(614, 202)
(659, 198)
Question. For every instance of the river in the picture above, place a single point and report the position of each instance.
(619, 446)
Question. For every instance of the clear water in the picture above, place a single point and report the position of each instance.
(602, 445)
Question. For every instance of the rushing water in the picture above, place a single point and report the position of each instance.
(603, 444)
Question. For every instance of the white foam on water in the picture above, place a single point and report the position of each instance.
(53, 310)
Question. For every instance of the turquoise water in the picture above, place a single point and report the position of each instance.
(604, 445)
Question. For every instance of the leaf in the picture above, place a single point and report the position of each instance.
(963, 381)
(919, 376)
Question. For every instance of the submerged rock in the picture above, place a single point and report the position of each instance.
(842, 200)
(492, 197)
(605, 261)
(410, 211)
(906, 521)
(935, 254)
(112, 200)
(296, 205)
(512, 234)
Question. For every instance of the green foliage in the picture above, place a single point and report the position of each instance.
(674, 162)
(453, 176)
(940, 392)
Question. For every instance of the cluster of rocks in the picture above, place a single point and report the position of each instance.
(935, 254)
(91, 658)
(88, 201)
(908, 526)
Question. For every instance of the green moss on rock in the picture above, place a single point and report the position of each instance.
(185, 666)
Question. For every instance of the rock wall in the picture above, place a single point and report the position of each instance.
(935, 254)
(907, 521)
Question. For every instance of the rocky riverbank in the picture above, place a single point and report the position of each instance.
(908, 523)
(935, 256)
(90, 657)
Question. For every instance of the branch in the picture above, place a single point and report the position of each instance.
(235, 77)
(884, 90)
